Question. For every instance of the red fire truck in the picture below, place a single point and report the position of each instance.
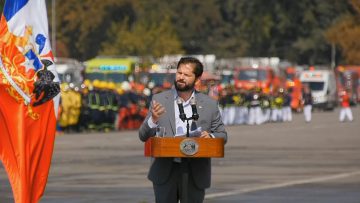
(347, 79)
(251, 77)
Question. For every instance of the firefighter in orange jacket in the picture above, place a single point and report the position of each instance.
(345, 111)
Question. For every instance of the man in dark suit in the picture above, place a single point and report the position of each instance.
(166, 173)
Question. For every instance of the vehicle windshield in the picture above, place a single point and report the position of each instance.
(116, 77)
(160, 78)
(113, 77)
(315, 86)
(94, 76)
(226, 79)
(254, 74)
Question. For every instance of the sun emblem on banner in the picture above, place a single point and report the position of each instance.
(21, 61)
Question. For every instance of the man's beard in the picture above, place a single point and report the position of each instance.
(185, 88)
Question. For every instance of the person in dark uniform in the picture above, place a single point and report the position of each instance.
(308, 102)
(286, 112)
(255, 113)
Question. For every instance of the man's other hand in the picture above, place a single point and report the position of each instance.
(156, 111)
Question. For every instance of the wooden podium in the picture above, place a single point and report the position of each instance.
(189, 147)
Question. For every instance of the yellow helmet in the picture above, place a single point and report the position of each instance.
(96, 83)
(119, 90)
(87, 82)
(64, 86)
(111, 85)
(103, 84)
(126, 86)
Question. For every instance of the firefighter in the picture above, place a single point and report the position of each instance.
(229, 106)
(307, 102)
(142, 109)
(85, 109)
(241, 107)
(286, 110)
(94, 105)
(111, 106)
(74, 108)
(345, 111)
(255, 113)
(222, 102)
(265, 105)
(65, 106)
(103, 118)
(124, 113)
(120, 113)
(278, 100)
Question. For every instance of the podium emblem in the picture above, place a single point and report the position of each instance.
(189, 147)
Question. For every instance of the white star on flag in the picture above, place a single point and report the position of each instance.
(28, 64)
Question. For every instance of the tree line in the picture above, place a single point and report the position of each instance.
(304, 32)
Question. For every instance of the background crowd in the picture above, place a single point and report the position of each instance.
(108, 106)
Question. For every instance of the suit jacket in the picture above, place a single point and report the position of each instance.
(209, 120)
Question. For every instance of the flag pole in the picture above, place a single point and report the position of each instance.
(53, 26)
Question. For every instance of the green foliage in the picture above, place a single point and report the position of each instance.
(299, 31)
(291, 30)
(345, 34)
(155, 38)
(82, 25)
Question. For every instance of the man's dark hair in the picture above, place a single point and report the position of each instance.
(199, 68)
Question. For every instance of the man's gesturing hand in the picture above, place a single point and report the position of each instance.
(205, 134)
(156, 111)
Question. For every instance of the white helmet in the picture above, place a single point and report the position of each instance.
(125, 86)
(147, 92)
(151, 84)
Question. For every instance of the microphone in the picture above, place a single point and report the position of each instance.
(182, 114)
(195, 115)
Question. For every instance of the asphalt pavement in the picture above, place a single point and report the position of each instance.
(275, 162)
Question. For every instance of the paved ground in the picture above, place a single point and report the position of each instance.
(281, 162)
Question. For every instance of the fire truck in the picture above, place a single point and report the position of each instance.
(252, 77)
(347, 79)
(110, 69)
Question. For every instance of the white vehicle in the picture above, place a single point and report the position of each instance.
(323, 87)
(69, 70)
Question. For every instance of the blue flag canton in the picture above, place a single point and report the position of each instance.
(11, 7)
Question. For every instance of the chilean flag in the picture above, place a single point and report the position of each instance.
(27, 133)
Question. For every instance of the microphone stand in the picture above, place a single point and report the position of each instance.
(184, 118)
(188, 127)
(185, 165)
(185, 161)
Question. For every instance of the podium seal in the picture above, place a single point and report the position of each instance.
(189, 147)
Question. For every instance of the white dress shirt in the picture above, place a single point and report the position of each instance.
(179, 124)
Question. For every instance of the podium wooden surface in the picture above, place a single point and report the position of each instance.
(170, 147)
